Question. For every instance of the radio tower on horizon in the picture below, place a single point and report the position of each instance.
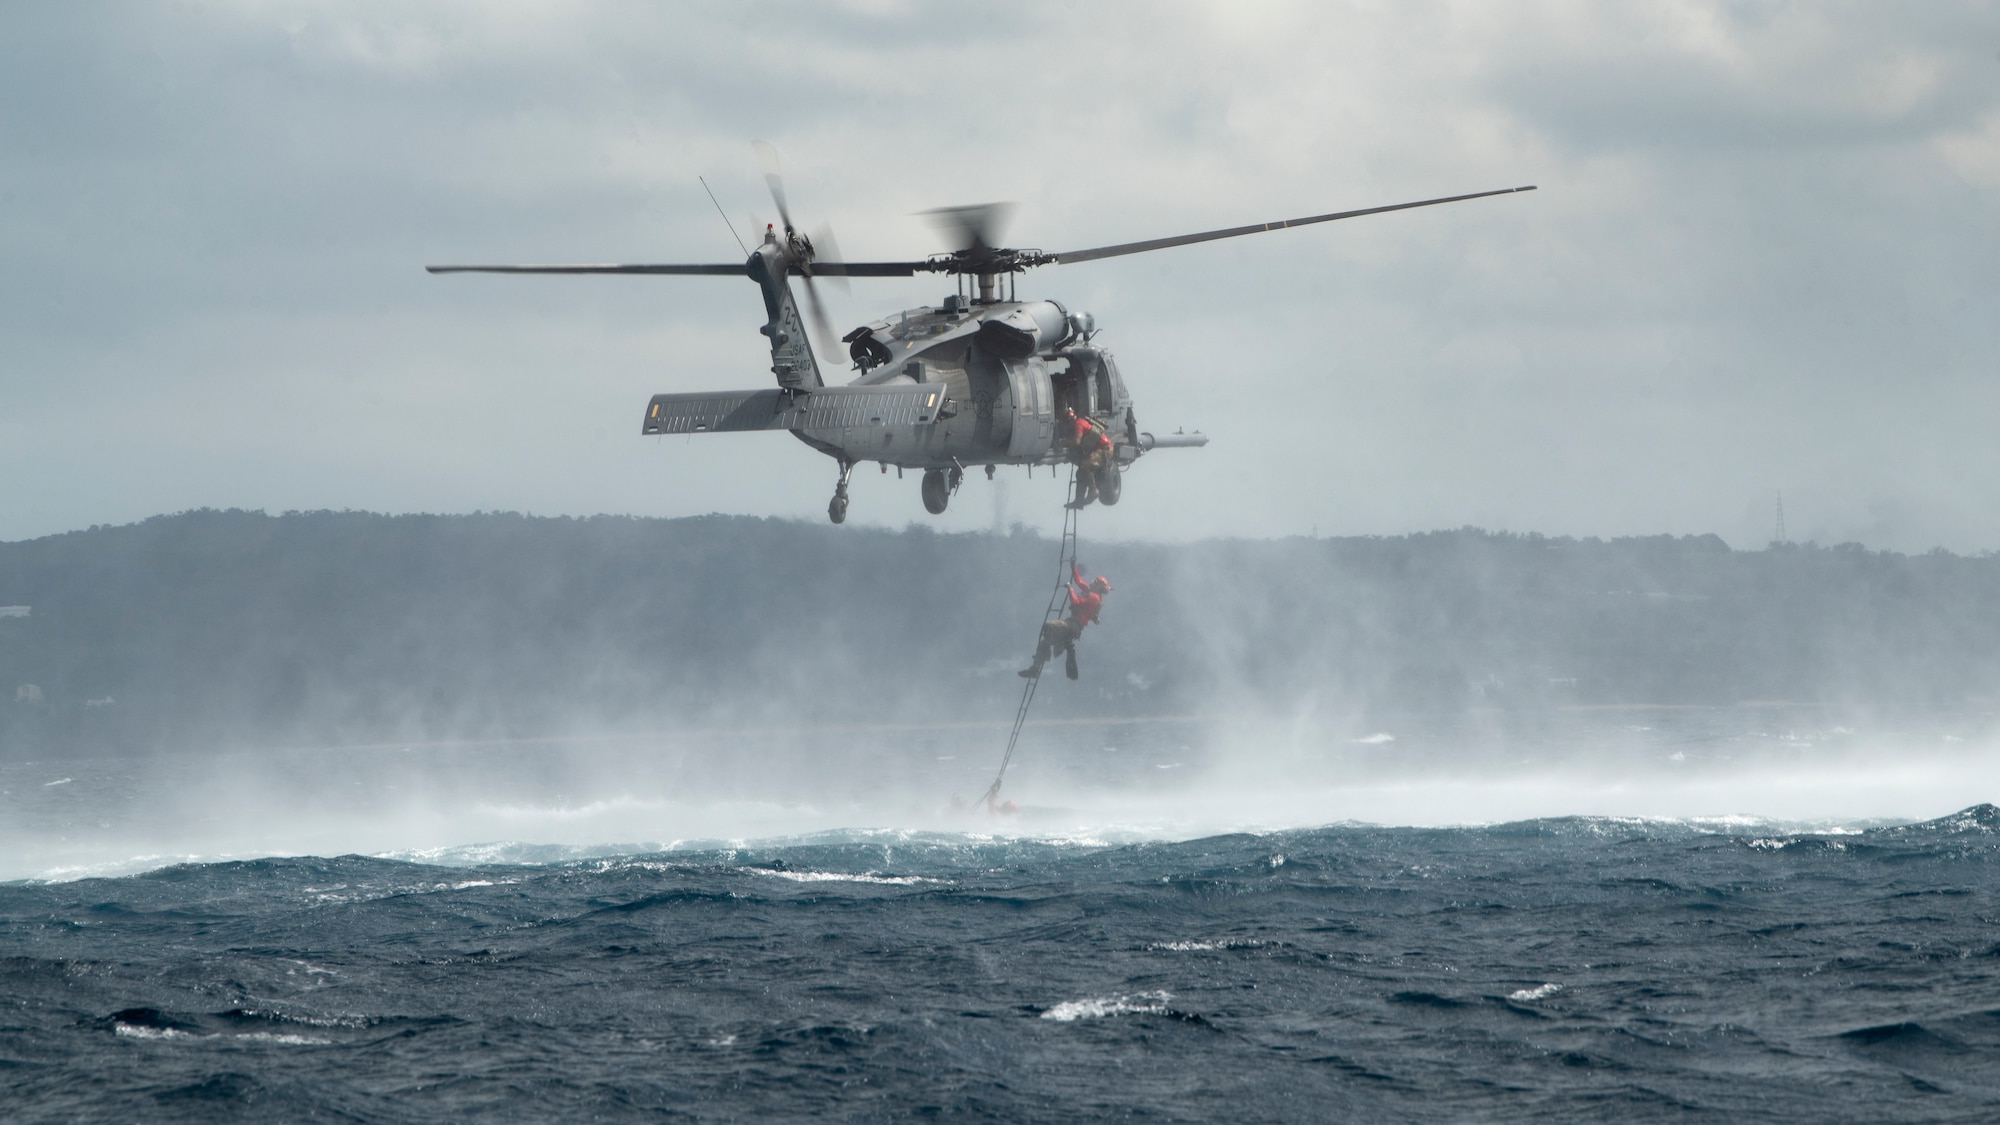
(1778, 533)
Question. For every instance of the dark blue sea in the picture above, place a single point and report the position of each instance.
(1557, 968)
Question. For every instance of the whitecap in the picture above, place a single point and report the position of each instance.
(843, 877)
(1203, 946)
(658, 867)
(118, 868)
(1530, 995)
(309, 1021)
(135, 1031)
(1145, 1003)
(280, 1038)
(515, 854)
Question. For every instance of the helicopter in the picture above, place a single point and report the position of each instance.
(981, 379)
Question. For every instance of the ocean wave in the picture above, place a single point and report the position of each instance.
(154, 1024)
(1372, 959)
(933, 853)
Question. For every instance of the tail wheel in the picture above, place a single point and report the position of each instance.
(937, 491)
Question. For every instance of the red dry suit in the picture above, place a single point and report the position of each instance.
(1084, 602)
(1061, 633)
(1085, 437)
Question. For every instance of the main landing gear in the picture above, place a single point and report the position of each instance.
(938, 487)
(939, 484)
(1110, 484)
(837, 509)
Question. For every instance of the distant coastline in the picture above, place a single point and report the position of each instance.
(219, 628)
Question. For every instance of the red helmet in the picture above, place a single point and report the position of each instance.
(1101, 584)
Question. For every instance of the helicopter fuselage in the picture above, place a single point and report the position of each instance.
(998, 406)
(962, 384)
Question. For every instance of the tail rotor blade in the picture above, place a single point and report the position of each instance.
(829, 343)
(767, 157)
(826, 250)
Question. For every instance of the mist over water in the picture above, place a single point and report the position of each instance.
(541, 800)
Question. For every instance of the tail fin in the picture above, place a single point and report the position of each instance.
(791, 353)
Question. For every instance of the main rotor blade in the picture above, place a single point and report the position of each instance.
(714, 271)
(867, 269)
(1124, 248)
(820, 269)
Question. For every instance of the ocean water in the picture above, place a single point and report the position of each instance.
(1028, 968)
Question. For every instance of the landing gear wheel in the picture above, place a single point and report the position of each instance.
(837, 510)
(1110, 485)
(937, 492)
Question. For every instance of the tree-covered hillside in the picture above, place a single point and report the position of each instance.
(238, 628)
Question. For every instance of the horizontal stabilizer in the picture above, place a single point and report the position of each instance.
(825, 408)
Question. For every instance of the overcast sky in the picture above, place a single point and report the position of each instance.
(1763, 258)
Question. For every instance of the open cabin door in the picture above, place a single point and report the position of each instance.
(1034, 408)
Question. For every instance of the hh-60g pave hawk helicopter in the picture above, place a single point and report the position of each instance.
(980, 379)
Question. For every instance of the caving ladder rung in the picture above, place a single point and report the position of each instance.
(1065, 564)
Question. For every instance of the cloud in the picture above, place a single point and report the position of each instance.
(1761, 257)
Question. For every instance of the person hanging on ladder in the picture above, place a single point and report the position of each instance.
(1085, 600)
(1090, 449)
